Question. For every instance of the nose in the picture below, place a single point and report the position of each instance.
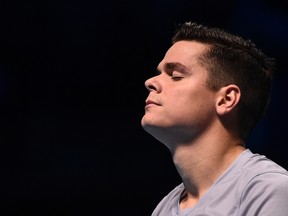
(152, 85)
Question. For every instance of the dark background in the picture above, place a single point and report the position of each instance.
(72, 96)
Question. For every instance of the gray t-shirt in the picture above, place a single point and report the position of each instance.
(252, 186)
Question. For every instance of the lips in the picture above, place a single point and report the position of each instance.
(150, 103)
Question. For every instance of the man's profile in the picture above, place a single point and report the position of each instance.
(211, 89)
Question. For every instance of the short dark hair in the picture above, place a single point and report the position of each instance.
(230, 59)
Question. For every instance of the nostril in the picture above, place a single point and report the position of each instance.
(151, 87)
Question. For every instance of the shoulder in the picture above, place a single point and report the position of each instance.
(266, 191)
(263, 174)
(255, 167)
(261, 164)
(268, 182)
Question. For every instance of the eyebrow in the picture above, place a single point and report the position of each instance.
(172, 66)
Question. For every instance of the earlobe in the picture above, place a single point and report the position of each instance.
(228, 98)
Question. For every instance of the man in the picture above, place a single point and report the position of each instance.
(211, 90)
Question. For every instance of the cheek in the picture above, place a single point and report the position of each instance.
(184, 98)
(190, 102)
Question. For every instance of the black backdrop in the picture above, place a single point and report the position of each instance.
(72, 96)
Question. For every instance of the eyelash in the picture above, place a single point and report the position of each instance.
(175, 77)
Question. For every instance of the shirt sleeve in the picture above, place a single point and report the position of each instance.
(265, 195)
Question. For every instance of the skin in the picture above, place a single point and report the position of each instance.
(195, 123)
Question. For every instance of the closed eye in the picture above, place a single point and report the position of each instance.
(176, 76)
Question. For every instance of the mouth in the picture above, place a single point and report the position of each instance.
(150, 103)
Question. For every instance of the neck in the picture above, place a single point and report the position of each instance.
(201, 163)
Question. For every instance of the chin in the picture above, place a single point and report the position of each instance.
(148, 123)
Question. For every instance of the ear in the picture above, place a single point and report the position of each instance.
(228, 98)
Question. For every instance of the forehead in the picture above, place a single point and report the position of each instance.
(185, 52)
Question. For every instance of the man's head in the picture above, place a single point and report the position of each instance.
(232, 60)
